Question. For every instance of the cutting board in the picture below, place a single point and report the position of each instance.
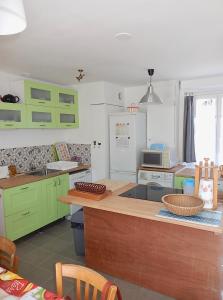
(90, 196)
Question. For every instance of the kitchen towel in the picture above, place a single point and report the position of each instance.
(210, 218)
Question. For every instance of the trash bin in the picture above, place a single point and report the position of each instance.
(77, 223)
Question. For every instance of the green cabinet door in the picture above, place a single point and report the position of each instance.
(38, 93)
(67, 118)
(22, 223)
(12, 115)
(178, 182)
(49, 200)
(22, 209)
(66, 98)
(53, 188)
(41, 117)
(21, 197)
(62, 189)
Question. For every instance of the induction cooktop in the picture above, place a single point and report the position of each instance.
(150, 192)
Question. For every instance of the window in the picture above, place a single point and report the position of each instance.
(209, 128)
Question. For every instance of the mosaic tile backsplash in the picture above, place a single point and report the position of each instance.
(27, 158)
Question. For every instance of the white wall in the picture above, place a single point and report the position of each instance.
(161, 119)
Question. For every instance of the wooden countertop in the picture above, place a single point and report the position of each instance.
(26, 178)
(186, 172)
(171, 170)
(133, 207)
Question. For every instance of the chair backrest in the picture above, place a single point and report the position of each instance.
(7, 253)
(90, 278)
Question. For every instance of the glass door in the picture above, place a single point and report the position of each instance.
(66, 98)
(41, 117)
(67, 119)
(12, 115)
(37, 93)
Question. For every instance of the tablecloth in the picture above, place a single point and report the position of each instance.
(13, 287)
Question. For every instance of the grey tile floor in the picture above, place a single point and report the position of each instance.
(38, 253)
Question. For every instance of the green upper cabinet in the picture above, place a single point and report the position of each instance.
(66, 98)
(41, 117)
(67, 118)
(12, 115)
(38, 93)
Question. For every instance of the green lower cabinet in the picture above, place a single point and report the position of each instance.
(34, 205)
(49, 202)
(53, 188)
(22, 223)
(62, 189)
(178, 182)
(22, 210)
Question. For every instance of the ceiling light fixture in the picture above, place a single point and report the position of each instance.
(122, 36)
(81, 75)
(12, 17)
(150, 97)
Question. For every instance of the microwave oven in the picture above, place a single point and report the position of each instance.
(158, 159)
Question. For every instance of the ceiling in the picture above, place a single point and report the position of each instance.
(180, 39)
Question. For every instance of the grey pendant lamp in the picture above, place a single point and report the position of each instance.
(150, 97)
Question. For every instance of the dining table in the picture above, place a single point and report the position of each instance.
(13, 286)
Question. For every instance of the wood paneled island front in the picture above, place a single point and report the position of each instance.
(124, 237)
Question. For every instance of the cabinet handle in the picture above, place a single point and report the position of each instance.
(24, 188)
(59, 182)
(68, 125)
(55, 183)
(42, 102)
(155, 176)
(26, 213)
(67, 104)
(42, 125)
(9, 124)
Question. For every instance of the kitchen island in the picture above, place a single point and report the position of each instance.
(124, 237)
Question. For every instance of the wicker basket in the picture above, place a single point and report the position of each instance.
(90, 187)
(183, 205)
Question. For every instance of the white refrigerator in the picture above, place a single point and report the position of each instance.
(100, 139)
(127, 139)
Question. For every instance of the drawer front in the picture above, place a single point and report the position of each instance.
(21, 198)
(22, 223)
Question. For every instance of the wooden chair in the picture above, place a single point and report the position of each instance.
(8, 259)
(85, 275)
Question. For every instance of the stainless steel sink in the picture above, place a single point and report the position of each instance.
(42, 172)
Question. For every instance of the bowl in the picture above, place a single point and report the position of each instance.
(183, 205)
